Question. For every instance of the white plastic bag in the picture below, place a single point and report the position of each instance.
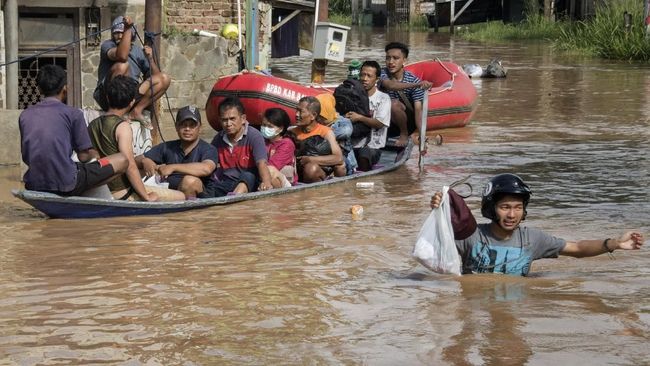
(435, 247)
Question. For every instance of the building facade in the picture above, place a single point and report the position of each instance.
(194, 62)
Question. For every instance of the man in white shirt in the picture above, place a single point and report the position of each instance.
(367, 148)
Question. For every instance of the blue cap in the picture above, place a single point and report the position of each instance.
(118, 25)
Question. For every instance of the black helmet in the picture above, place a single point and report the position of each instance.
(500, 185)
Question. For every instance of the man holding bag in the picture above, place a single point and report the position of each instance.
(502, 246)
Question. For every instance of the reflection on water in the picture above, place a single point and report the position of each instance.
(293, 280)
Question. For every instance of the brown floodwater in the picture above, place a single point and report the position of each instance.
(294, 280)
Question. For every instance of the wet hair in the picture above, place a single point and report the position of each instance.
(51, 79)
(398, 46)
(313, 105)
(278, 118)
(373, 64)
(120, 91)
(231, 102)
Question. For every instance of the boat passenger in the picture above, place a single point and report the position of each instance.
(406, 91)
(50, 131)
(280, 148)
(503, 246)
(112, 133)
(367, 148)
(315, 167)
(242, 154)
(341, 126)
(187, 163)
(121, 56)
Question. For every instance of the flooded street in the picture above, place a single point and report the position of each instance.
(293, 280)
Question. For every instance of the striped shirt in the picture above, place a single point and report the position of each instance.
(414, 94)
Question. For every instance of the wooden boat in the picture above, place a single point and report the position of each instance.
(452, 99)
(56, 206)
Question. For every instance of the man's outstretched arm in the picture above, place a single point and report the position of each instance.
(631, 240)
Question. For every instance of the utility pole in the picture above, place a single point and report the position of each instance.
(152, 15)
(252, 33)
(11, 52)
(318, 65)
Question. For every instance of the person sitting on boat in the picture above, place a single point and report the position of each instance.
(405, 89)
(112, 133)
(341, 126)
(120, 56)
(187, 163)
(325, 157)
(503, 246)
(50, 131)
(243, 161)
(367, 149)
(279, 147)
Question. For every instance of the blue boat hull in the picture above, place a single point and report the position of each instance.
(55, 206)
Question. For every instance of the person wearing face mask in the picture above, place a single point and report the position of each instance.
(281, 150)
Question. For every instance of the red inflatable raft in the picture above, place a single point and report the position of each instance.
(452, 99)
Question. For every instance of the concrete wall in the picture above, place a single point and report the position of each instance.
(9, 137)
(195, 63)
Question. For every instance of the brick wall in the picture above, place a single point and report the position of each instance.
(209, 15)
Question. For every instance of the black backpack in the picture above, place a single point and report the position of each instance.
(352, 97)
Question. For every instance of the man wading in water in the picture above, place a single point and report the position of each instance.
(502, 246)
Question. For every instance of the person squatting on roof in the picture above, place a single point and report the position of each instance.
(50, 131)
(503, 246)
(406, 91)
(367, 149)
(121, 56)
(112, 133)
(242, 154)
(318, 155)
(187, 163)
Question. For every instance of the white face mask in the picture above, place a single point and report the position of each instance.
(269, 132)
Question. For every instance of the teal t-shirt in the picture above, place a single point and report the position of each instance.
(483, 253)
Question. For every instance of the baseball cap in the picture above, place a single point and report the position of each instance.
(118, 25)
(188, 112)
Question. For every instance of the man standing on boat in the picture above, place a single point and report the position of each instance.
(187, 163)
(367, 149)
(120, 56)
(242, 154)
(406, 91)
(50, 131)
(503, 246)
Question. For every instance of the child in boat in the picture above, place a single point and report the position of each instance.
(280, 148)
(367, 149)
(50, 131)
(406, 91)
(187, 163)
(242, 154)
(315, 167)
(341, 126)
(112, 133)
